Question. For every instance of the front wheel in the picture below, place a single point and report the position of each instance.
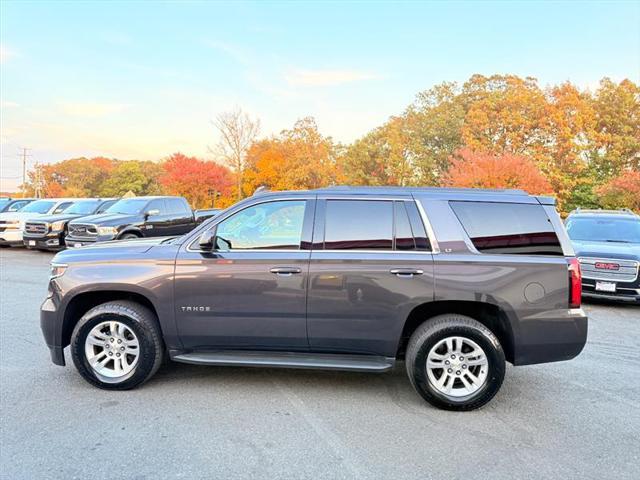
(117, 345)
(129, 236)
(455, 363)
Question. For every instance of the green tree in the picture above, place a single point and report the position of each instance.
(140, 177)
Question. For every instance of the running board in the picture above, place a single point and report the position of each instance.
(355, 363)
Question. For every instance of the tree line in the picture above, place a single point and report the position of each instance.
(502, 131)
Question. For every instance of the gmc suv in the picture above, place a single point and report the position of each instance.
(136, 217)
(453, 281)
(607, 244)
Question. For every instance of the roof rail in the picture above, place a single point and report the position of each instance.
(603, 211)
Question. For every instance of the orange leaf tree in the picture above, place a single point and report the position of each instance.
(622, 191)
(296, 159)
(486, 170)
(196, 180)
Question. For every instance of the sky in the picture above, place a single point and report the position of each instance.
(142, 80)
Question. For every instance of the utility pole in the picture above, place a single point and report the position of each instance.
(24, 156)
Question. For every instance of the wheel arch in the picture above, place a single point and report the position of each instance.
(491, 316)
(85, 301)
(130, 230)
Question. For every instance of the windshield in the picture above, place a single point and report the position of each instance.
(129, 206)
(41, 206)
(84, 208)
(3, 202)
(618, 230)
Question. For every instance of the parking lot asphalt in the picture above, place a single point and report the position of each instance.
(571, 420)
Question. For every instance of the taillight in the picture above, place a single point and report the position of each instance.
(575, 283)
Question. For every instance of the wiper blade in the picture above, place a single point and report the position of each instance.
(618, 241)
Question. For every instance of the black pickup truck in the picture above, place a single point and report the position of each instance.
(137, 217)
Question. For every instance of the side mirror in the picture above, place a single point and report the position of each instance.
(153, 212)
(207, 240)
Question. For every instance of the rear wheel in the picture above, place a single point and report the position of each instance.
(455, 363)
(117, 345)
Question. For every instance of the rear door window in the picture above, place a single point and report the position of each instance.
(358, 225)
(508, 228)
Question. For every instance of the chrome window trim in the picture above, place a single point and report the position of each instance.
(435, 247)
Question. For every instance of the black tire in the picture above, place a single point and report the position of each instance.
(433, 331)
(129, 236)
(141, 321)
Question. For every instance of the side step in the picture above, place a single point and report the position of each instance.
(317, 361)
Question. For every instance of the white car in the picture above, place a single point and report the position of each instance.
(12, 223)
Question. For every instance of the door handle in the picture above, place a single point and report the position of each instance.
(285, 271)
(405, 272)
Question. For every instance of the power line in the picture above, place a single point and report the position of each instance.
(24, 156)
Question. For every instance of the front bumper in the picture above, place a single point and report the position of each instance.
(11, 237)
(625, 292)
(51, 330)
(51, 241)
(83, 241)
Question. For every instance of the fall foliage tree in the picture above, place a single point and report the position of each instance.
(196, 179)
(622, 191)
(489, 170)
(298, 158)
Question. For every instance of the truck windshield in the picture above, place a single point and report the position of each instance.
(41, 206)
(128, 206)
(617, 230)
(83, 208)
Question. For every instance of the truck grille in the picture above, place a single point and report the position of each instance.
(82, 230)
(611, 269)
(35, 228)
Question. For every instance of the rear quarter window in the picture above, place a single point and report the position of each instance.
(508, 228)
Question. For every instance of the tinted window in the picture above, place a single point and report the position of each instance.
(272, 225)
(593, 229)
(176, 206)
(62, 207)
(510, 228)
(404, 234)
(358, 225)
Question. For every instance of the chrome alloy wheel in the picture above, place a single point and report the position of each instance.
(112, 350)
(457, 367)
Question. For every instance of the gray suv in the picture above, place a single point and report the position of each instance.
(455, 282)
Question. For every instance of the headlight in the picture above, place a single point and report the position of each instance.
(107, 231)
(57, 270)
(57, 226)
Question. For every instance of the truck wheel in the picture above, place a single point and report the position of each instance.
(117, 345)
(455, 363)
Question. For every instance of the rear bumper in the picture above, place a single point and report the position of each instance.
(552, 336)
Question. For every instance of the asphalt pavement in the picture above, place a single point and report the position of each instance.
(570, 420)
